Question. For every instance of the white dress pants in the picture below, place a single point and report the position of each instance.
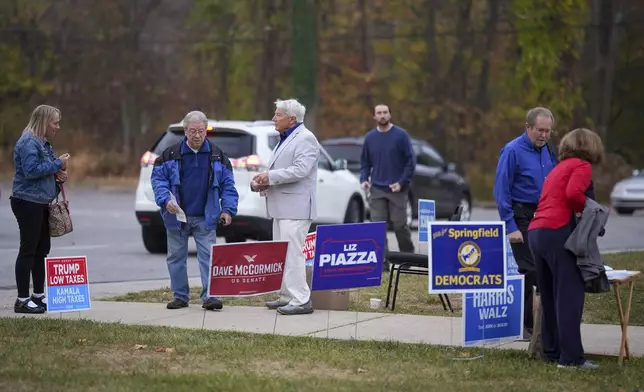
(295, 291)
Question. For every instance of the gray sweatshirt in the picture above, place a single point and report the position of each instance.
(583, 240)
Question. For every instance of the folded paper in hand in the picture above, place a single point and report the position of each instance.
(255, 184)
(181, 216)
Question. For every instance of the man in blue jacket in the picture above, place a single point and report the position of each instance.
(193, 177)
(524, 164)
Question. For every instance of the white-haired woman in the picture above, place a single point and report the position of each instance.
(35, 184)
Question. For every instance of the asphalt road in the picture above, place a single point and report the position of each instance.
(106, 231)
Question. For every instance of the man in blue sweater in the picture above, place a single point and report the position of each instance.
(387, 165)
(194, 177)
(524, 164)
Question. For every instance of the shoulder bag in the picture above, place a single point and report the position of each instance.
(60, 221)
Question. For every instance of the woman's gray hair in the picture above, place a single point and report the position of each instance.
(39, 121)
(195, 116)
(292, 108)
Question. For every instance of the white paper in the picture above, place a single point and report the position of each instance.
(254, 184)
(619, 274)
(181, 216)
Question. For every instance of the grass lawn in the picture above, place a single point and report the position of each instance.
(79, 355)
(413, 297)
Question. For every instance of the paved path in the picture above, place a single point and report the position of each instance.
(598, 339)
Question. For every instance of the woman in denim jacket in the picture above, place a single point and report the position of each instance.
(35, 184)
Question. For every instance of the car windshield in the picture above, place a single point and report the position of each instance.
(233, 143)
(273, 140)
(350, 152)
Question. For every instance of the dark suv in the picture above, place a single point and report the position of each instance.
(434, 178)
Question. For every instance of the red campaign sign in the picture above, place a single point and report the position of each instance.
(247, 268)
(64, 271)
(309, 246)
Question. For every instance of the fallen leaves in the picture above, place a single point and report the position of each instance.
(158, 349)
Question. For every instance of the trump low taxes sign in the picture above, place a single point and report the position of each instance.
(348, 256)
(466, 257)
(246, 268)
(67, 284)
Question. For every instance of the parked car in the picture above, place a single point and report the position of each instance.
(628, 194)
(249, 146)
(434, 178)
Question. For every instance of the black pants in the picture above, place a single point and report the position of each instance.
(562, 296)
(35, 243)
(523, 214)
(392, 207)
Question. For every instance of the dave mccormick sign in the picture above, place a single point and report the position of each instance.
(348, 256)
(246, 268)
(466, 257)
(67, 284)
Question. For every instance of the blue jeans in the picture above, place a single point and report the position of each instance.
(178, 256)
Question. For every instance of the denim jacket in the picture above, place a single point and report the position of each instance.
(35, 168)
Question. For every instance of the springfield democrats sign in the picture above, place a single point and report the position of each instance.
(467, 257)
(348, 256)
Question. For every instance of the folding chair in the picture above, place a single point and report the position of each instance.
(413, 264)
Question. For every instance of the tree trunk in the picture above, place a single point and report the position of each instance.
(365, 52)
(482, 96)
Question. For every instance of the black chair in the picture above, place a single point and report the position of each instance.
(402, 263)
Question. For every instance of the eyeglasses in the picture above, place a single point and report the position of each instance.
(193, 131)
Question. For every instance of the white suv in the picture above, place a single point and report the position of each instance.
(249, 146)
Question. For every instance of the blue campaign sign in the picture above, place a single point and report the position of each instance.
(513, 268)
(348, 256)
(492, 317)
(466, 257)
(426, 214)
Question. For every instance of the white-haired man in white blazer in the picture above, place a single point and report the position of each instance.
(290, 187)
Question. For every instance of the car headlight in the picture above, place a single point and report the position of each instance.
(619, 188)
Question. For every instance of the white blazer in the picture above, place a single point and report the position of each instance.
(292, 176)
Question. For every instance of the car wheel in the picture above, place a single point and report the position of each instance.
(155, 240)
(466, 208)
(624, 211)
(354, 212)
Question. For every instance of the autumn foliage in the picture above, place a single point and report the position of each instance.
(458, 73)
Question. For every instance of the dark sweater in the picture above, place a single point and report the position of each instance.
(194, 179)
(388, 158)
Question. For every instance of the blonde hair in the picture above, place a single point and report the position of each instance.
(582, 143)
(40, 118)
